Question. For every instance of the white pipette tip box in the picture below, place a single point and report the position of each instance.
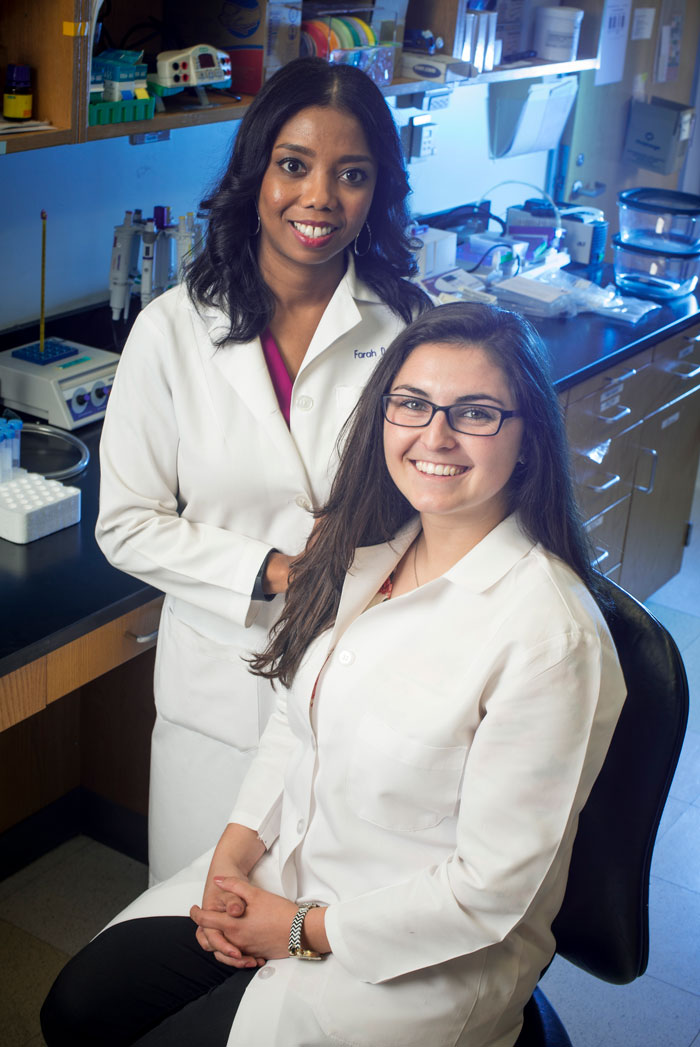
(32, 507)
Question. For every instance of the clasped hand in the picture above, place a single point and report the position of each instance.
(241, 924)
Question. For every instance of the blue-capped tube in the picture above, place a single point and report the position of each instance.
(5, 456)
(15, 425)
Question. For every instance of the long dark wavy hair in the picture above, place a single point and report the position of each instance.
(365, 507)
(226, 272)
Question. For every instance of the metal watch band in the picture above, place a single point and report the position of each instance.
(295, 948)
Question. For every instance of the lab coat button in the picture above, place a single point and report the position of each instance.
(346, 657)
(304, 403)
(303, 502)
(266, 971)
(301, 825)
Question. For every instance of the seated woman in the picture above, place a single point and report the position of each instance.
(447, 693)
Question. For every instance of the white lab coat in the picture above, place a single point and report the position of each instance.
(430, 800)
(201, 477)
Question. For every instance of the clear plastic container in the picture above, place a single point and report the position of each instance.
(650, 272)
(660, 218)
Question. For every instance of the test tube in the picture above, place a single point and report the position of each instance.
(5, 456)
(15, 425)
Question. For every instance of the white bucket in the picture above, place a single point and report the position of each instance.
(556, 33)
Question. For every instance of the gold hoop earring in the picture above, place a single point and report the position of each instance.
(361, 254)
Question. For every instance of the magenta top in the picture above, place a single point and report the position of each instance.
(281, 382)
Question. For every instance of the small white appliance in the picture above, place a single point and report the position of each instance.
(68, 384)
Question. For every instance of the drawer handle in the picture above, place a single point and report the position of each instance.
(613, 379)
(610, 418)
(654, 461)
(604, 554)
(675, 368)
(612, 482)
(144, 637)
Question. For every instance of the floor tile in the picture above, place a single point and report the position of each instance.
(40, 868)
(647, 1013)
(29, 967)
(77, 898)
(686, 781)
(677, 856)
(674, 935)
(691, 660)
(672, 812)
(684, 628)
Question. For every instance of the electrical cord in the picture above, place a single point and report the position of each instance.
(559, 231)
(487, 253)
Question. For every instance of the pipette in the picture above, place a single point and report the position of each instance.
(42, 314)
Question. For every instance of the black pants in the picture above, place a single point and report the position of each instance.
(144, 982)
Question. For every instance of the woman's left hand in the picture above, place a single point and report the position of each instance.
(263, 928)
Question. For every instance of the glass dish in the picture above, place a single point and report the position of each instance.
(649, 272)
(660, 218)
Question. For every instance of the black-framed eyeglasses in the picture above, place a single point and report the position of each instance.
(472, 419)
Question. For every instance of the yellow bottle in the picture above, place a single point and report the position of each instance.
(17, 99)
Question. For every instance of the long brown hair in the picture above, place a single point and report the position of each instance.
(366, 508)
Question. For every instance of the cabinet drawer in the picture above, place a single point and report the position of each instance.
(607, 534)
(604, 475)
(676, 368)
(101, 650)
(617, 375)
(22, 693)
(614, 573)
(602, 415)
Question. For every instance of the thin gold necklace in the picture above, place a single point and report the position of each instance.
(415, 558)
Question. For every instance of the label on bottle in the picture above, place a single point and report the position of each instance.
(17, 107)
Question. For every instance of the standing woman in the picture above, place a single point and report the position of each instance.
(222, 423)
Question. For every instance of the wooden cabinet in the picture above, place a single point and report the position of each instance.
(51, 36)
(602, 415)
(30, 689)
(82, 764)
(666, 468)
(634, 433)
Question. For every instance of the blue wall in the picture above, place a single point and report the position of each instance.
(85, 190)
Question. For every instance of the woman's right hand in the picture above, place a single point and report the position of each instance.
(276, 576)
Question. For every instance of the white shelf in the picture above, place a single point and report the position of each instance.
(515, 71)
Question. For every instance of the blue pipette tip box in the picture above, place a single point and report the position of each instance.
(54, 350)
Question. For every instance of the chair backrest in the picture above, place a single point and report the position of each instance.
(603, 924)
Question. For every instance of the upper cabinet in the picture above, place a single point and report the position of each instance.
(50, 36)
(54, 37)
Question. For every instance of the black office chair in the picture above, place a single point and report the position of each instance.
(603, 924)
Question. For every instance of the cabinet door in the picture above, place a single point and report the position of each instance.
(667, 465)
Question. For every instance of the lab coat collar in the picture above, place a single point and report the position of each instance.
(482, 567)
(242, 367)
(342, 312)
(492, 558)
(370, 568)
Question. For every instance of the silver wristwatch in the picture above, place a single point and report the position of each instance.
(295, 947)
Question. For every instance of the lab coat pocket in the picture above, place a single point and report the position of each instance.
(399, 783)
(427, 1008)
(203, 685)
